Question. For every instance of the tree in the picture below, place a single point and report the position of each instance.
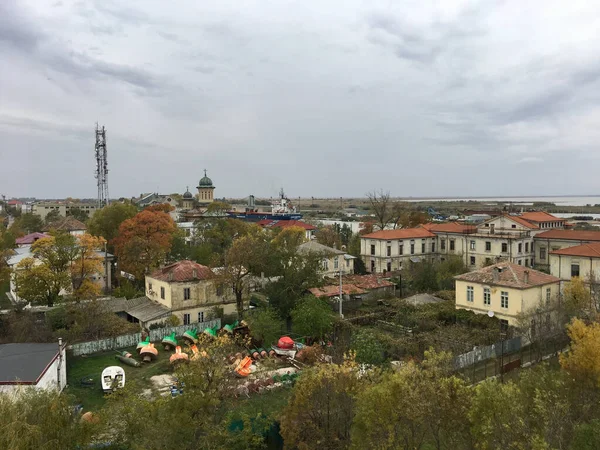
(577, 298)
(382, 208)
(215, 236)
(367, 347)
(217, 208)
(265, 325)
(106, 221)
(329, 237)
(248, 255)
(61, 262)
(52, 217)
(78, 214)
(320, 412)
(26, 224)
(583, 359)
(39, 418)
(498, 416)
(313, 317)
(144, 241)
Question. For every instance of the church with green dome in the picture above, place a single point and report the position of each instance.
(206, 190)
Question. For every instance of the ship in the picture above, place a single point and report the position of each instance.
(282, 209)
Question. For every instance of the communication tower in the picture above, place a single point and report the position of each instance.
(101, 166)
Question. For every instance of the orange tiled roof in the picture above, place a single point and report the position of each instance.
(334, 290)
(570, 235)
(449, 227)
(367, 281)
(591, 250)
(403, 233)
(68, 223)
(510, 275)
(522, 221)
(540, 216)
(183, 271)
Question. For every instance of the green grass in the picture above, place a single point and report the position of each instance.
(92, 397)
(270, 403)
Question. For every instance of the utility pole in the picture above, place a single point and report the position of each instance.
(341, 294)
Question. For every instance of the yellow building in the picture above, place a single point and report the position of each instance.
(190, 290)
(205, 190)
(551, 241)
(507, 289)
(581, 261)
(333, 261)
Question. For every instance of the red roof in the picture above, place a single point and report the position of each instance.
(267, 223)
(372, 281)
(68, 223)
(540, 216)
(522, 221)
(450, 227)
(183, 271)
(509, 275)
(403, 233)
(334, 290)
(15, 202)
(30, 238)
(589, 250)
(570, 235)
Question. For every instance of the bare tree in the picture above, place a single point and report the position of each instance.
(382, 207)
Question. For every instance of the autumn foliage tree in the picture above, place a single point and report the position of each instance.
(144, 241)
(106, 221)
(583, 359)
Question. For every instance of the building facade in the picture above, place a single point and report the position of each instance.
(551, 241)
(190, 290)
(506, 289)
(581, 261)
(334, 261)
(42, 209)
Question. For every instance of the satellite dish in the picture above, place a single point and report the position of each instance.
(490, 313)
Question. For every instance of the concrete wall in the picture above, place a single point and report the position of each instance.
(519, 300)
(560, 266)
(396, 259)
(131, 340)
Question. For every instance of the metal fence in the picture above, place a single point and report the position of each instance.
(480, 354)
(131, 340)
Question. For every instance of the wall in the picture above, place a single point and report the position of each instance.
(396, 259)
(551, 245)
(131, 340)
(560, 266)
(518, 299)
(155, 293)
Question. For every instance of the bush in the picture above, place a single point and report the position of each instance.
(367, 347)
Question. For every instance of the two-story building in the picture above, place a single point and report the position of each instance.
(389, 250)
(333, 261)
(550, 241)
(190, 290)
(42, 209)
(506, 289)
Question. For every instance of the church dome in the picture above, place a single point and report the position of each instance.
(205, 181)
(188, 195)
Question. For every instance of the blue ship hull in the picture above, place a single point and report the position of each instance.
(258, 216)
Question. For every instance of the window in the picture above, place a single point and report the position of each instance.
(526, 247)
(548, 295)
(201, 316)
(423, 247)
(520, 247)
(150, 286)
(433, 247)
(488, 246)
(526, 263)
(336, 263)
(389, 250)
(325, 264)
(347, 263)
(574, 270)
(372, 249)
(412, 248)
(389, 266)
(504, 299)
(186, 319)
(443, 244)
(186, 293)
(470, 294)
(520, 262)
(487, 297)
(514, 226)
(162, 292)
(472, 245)
(504, 247)
(472, 260)
(401, 249)
(542, 252)
(451, 244)
(220, 290)
(372, 266)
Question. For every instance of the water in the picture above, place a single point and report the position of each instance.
(524, 201)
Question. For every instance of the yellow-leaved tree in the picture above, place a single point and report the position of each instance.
(583, 359)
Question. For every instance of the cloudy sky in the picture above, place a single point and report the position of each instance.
(336, 98)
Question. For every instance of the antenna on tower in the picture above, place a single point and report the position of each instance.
(101, 166)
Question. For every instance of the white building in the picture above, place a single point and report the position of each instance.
(42, 366)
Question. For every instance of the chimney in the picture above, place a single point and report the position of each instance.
(526, 277)
(170, 276)
(195, 273)
(496, 274)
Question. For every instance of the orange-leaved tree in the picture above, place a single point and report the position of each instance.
(144, 241)
(87, 263)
